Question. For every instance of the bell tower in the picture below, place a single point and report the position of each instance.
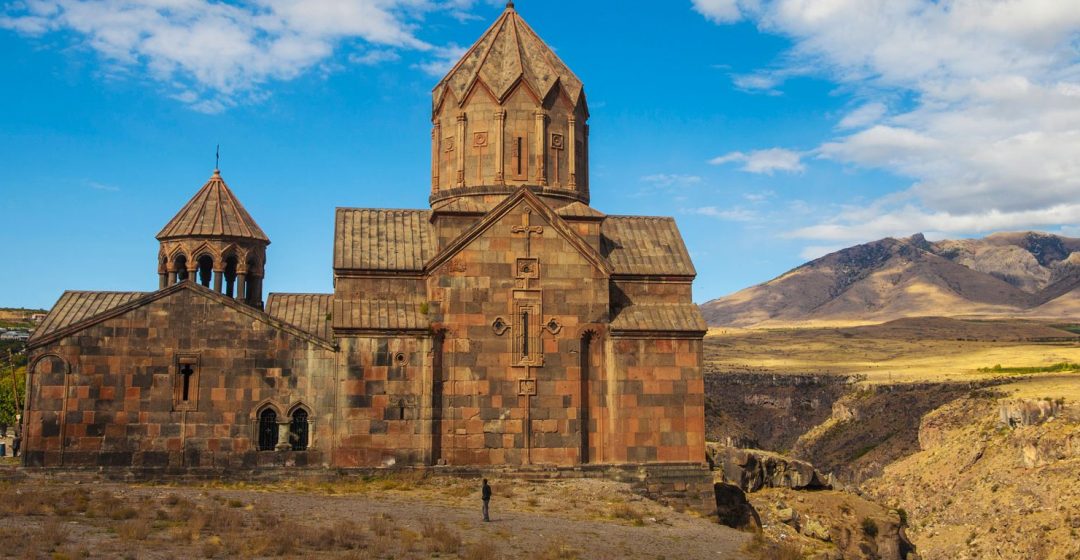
(215, 242)
(509, 114)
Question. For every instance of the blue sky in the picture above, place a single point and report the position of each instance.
(773, 130)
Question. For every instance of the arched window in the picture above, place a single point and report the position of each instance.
(206, 270)
(268, 430)
(230, 275)
(181, 268)
(298, 430)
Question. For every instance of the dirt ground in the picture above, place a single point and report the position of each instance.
(387, 517)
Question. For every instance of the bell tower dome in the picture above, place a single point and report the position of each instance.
(215, 242)
(509, 114)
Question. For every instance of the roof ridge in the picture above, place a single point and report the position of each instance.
(625, 216)
(357, 209)
(229, 217)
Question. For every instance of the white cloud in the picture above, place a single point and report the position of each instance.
(858, 224)
(444, 60)
(865, 115)
(215, 53)
(759, 197)
(671, 180)
(725, 11)
(374, 57)
(764, 161)
(730, 214)
(990, 128)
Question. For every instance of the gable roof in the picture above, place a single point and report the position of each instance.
(75, 306)
(383, 240)
(578, 209)
(660, 317)
(645, 246)
(309, 312)
(507, 53)
(352, 315)
(521, 195)
(214, 211)
(87, 321)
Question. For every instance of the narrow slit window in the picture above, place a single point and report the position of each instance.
(525, 334)
(187, 372)
(527, 330)
(186, 383)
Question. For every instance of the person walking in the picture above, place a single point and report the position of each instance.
(485, 494)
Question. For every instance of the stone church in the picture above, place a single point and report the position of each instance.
(509, 324)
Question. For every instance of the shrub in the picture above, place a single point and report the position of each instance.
(381, 524)
(869, 527)
(134, 530)
(441, 538)
(480, 551)
(119, 514)
(629, 513)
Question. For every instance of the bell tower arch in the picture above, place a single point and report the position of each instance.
(215, 242)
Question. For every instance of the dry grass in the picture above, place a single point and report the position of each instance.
(557, 551)
(440, 538)
(885, 356)
(64, 520)
(627, 512)
(480, 551)
(760, 548)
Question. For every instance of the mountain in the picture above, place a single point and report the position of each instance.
(1005, 274)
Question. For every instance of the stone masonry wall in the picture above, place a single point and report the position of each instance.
(656, 392)
(483, 419)
(117, 406)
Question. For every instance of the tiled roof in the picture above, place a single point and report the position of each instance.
(382, 315)
(308, 312)
(73, 307)
(645, 246)
(462, 205)
(384, 240)
(214, 211)
(507, 52)
(578, 210)
(76, 311)
(660, 317)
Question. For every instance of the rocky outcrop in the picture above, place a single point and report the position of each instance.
(980, 489)
(1027, 412)
(752, 470)
(874, 426)
(832, 525)
(733, 509)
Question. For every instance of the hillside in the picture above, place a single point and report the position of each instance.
(1003, 275)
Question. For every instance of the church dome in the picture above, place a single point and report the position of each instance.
(213, 240)
(510, 113)
(214, 211)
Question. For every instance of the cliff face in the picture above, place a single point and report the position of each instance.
(1008, 274)
(767, 411)
(993, 478)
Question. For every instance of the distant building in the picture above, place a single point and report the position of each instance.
(15, 335)
(509, 324)
(38, 317)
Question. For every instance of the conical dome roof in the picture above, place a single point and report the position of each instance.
(508, 51)
(214, 211)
